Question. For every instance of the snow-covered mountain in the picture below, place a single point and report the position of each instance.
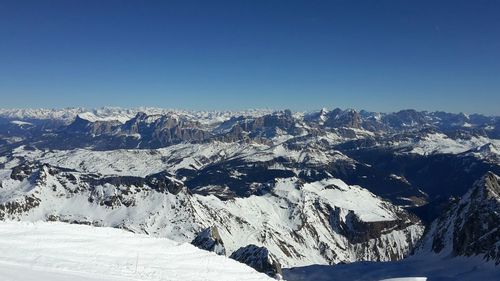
(269, 188)
(462, 244)
(68, 115)
(61, 252)
(470, 227)
(300, 223)
(405, 120)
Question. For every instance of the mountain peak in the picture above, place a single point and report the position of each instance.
(490, 183)
(485, 189)
(470, 227)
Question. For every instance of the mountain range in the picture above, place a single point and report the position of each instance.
(272, 189)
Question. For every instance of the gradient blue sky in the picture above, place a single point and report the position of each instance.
(374, 54)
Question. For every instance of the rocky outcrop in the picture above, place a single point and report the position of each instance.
(210, 240)
(83, 126)
(470, 227)
(260, 259)
(141, 131)
(163, 130)
(359, 231)
(339, 118)
(169, 128)
(259, 129)
(406, 119)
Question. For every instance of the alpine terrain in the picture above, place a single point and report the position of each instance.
(307, 195)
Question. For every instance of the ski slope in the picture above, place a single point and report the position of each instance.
(58, 252)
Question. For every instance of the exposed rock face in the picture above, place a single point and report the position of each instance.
(210, 240)
(471, 226)
(84, 126)
(340, 118)
(406, 119)
(259, 258)
(141, 131)
(163, 130)
(164, 182)
(488, 152)
(259, 129)
(171, 127)
(359, 231)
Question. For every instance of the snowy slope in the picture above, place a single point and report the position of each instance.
(432, 267)
(440, 143)
(462, 244)
(140, 162)
(300, 223)
(470, 227)
(58, 251)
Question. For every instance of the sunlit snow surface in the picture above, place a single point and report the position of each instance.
(61, 252)
(438, 143)
(275, 220)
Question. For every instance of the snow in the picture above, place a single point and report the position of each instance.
(20, 123)
(450, 263)
(13, 272)
(287, 208)
(440, 143)
(142, 162)
(399, 178)
(67, 115)
(89, 116)
(308, 155)
(433, 267)
(274, 220)
(57, 251)
(365, 204)
(489, 151)
(297, 221)
(136, 162)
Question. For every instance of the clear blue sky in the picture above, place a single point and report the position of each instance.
(374, 54)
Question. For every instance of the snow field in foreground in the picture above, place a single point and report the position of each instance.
(56, 251)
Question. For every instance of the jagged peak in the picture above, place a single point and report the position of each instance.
(490, 183)
(209, 239)
(469, 227)
(260, 258)
(81, 118)
(487, 187)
